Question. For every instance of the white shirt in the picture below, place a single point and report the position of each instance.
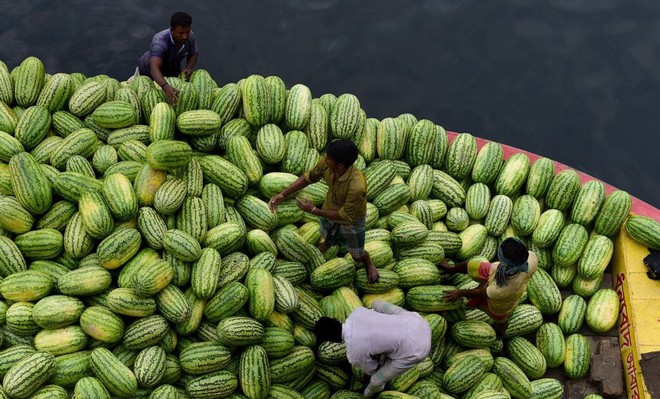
(385, 342)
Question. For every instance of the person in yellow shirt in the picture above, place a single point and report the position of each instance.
(501, 283)
(342, 215)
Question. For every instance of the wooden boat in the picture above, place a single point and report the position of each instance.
(639, 296)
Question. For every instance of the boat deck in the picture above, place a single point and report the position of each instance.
(639, 319)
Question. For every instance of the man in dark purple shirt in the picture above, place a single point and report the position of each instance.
(168, 48)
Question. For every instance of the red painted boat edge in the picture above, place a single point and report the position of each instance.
(639, 207)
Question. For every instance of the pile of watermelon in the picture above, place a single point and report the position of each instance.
(139, 258)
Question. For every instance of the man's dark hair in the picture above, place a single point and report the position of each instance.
(342, 151)
(180, 18)
(328, 329)
(514, 250)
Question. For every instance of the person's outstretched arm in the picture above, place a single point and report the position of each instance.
(387, 308)
(455, 295)
(312, 176)
(348, 213)
(387, 372)
(299, 184)
(457, 268)
(309, 207)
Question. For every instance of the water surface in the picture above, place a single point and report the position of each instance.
(574, 80)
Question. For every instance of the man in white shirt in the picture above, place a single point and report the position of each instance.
(384, 342)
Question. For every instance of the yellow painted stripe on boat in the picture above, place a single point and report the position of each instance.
(639, 322)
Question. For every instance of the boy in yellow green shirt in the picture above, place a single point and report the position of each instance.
(342, 215)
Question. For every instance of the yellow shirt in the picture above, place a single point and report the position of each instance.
(347, 194)
(502, 300)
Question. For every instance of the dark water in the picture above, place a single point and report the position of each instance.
(577, 81)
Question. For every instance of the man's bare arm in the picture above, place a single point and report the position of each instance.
(299, 184)
(479, 292)
(310, 208)
(156, 64)
(190, 64)
(387, 372)
(457, 268)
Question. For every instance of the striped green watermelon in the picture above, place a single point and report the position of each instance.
(461, 156)
(578, 356)
(255, 100)
(613, 213)
(513, 174)
(550, 341)
(29, 81)
(644, 230)
(344, 116)
(602, 310)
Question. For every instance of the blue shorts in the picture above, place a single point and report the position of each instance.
(349, 235)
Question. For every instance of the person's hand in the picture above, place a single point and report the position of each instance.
(372, 391)
(444, 266)
(305, 204)
(171, 93)
(372, 274)
(186, 73)
(453, 295)
(275, 201)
